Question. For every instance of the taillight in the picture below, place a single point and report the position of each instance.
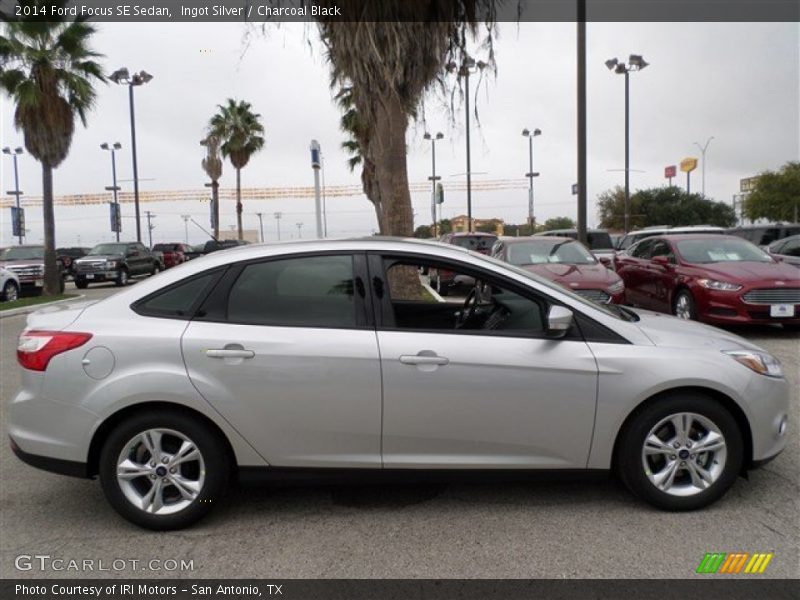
(36, 348)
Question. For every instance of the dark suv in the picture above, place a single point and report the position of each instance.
(117, 262)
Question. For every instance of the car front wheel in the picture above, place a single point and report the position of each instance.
(10, 291)
(122, 278)
(682, 452)
(81, 283)
(164, 469)
(684, 306)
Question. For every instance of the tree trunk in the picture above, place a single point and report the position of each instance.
(215, 200)
(370, 186)
(239, 203)
(388, 150)
(52, 274)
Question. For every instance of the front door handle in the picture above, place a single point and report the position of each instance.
(423, 359)
(229, 353)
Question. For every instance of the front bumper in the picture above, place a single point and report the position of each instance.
(109, 275)
(729, 308)
(767, 401)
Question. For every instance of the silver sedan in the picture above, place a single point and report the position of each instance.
(339, 358)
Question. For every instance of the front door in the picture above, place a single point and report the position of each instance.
(471, 381)
(285, 351)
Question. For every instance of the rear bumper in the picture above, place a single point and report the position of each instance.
(54, 465)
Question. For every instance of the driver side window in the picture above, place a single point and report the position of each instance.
(427, 296)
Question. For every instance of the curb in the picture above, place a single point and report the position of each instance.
(24, 310)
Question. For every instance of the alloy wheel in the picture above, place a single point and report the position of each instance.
(683, 307)
(161, 471)
(684, 454)
(10, 293)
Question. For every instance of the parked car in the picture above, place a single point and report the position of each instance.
(9, 285)
(194, 251)
(173, 253)
(217, 245)
(117, 262)
(69, 255)
(787, 250)
(719, 279)
(300, 358)
(599, 241)
(27, 262)
(563, 261)
(444, 281)
(764, 235)
(629, 239)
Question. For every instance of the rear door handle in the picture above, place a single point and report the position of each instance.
(229, 353)
(422, 359)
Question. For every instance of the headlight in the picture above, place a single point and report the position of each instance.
(722, 286)
(111, 264)
(760, 362)
(616, 288)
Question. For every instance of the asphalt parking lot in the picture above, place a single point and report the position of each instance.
(520, 530)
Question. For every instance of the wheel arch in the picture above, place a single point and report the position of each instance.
(724, 400)
(107, 426)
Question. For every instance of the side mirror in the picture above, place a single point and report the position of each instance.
(661, 260)
(559, 320)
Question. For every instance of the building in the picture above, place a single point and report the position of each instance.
(460, 224)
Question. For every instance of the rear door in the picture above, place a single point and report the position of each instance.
(285, 349)
(632, 267)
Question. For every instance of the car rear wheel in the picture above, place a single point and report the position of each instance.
(682, 452)
(684, 306)
(164, 469)
(10, 291)
(122, 277)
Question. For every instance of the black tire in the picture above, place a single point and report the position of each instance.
(630, 465)
(685, 296)
(122, 278)
(213, 449)
(81, 283)
(156, 269)
(10, 291)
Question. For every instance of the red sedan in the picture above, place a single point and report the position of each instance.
(563, 261)
(713, 278)
(174, 254)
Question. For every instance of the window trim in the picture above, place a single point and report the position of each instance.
(215, 307)
(383, 304)
(139, 306)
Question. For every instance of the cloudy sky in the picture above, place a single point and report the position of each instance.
(737, 82)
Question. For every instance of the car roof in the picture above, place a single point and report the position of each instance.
(698, 236)
(541, 239)
(679, 229)
(550, 232)
(469, 233)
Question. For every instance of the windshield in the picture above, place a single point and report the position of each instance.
(721, 250)
(108, 249)
(480, 243)
(537, 253)
(24, 253)
(600, 240)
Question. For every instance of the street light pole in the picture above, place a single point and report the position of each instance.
(114, 188)
(703, 149)
(433, 178)
(635, 63)
(123, 77)
(278, 216)
(261, 224)
(530, 175)
(16, 193)
(186, 226)
(468, 66)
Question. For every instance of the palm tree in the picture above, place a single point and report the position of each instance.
(48, 70)
(240, 131)
(357, 147)
(212, 165)
(390, 58)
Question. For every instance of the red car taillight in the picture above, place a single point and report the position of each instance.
(36, 348)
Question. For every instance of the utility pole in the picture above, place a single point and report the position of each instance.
(703, 149)
(261, 224)
(278, 216)
(150, 227)
(186, 225)
(315, 165)
(530, 175)
(433, 178)
(299, 230)
(18, 221)
(583, 236)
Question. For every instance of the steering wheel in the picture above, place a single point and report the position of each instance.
(468, 310)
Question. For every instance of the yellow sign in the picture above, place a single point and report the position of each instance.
(688, 165)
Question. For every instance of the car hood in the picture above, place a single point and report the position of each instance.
(21, 263)
(575, 276)
(99, 257)
(666, 330)
(746, 271)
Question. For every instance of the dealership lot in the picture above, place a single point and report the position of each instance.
(480, 530)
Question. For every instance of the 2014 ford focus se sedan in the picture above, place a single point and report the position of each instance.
(337, 357)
